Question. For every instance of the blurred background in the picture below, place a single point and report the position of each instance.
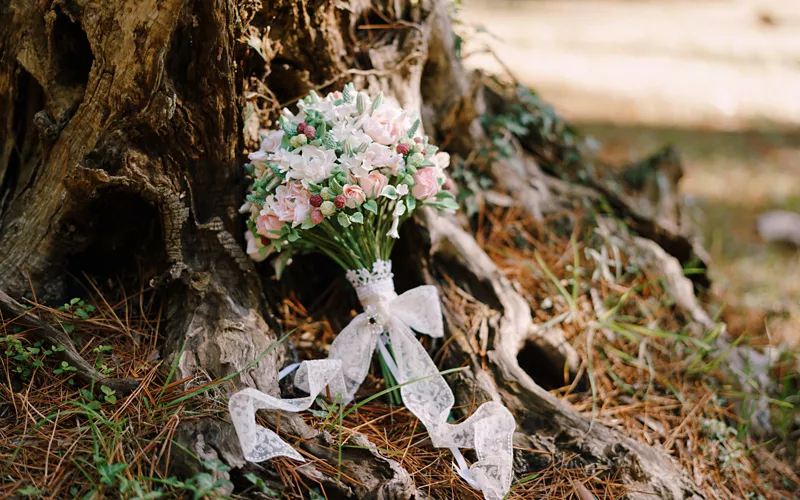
(719, 79)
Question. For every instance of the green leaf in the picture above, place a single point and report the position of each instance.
(357, 218)
(292, 236)
(361, 103)
(348, 93)
(280, 263)
(81, 314)
(378, 101)
(344, 221)
(74, 301)
(411, 203)
(29, 491)
(371, 206)
(307, 223)
(216, 465)
(334, 186)
(445, 204)
(414, 128)
(330, 141)
(389, 192)
(444, 194)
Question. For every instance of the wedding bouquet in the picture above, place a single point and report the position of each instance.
(339, 177)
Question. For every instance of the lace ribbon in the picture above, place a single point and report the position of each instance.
(389, 318)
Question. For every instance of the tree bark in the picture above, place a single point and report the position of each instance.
(124, 124)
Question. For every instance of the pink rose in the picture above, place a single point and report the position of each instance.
(385, 125)
(373, 183)
(427, 183)
(290, 203)
(353, 194)
(267, 223)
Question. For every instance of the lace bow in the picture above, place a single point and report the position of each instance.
(389, 319)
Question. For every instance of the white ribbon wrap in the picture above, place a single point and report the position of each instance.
(489, 430)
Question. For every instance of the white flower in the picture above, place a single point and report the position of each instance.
(383, 157)
(386, 125)
(349, 130)
(315, 165)
(393, 231)
(359, 165)
(254, 246)
(330, 111)
(272, 142)
(441, 160)
(285, 160)
(376, 156)
(258, 156)
(402, 189)
(399, 209)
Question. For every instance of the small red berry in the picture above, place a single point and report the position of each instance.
(316, 200)
(340, 201)
(403, 148)
(316, 217)
(310, 132)
(301, 127)
(418, 139)
(264, 241)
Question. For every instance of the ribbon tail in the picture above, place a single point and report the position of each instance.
(489, 430)
(428, 397)
(353, 347)
(259, 443)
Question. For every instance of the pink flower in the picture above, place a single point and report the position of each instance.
(267, 223)
(373, 183)
(353, 194)
(427, 183)
(290, 203)
(385, 125)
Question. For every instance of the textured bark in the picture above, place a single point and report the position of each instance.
(121, 140)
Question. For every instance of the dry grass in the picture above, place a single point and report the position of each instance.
(644, 375)
(652, 379)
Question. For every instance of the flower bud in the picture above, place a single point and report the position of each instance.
(340, 201)
(301, 127)
(327, 194)
(316, 200)
(310, 132)
(416, 158)
(298, 140)
(419, 147)
(403, 149)
(327, 208)
(316, 216)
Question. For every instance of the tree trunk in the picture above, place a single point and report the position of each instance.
(123, 132)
